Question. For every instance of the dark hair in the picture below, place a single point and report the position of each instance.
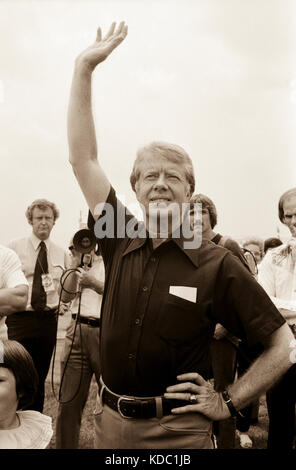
(282, 200)
(208, 204)
(171, 152)
(17, 359)
(271, 242)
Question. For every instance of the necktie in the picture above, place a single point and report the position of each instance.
(38, 299)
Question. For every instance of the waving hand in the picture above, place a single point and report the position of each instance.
(102, 47)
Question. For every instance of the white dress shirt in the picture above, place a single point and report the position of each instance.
(11, 275)
(90, 300)
(277, 275)
(57, 259)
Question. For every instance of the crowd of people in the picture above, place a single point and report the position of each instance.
(181, 338)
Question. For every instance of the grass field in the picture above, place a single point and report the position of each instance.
(257, 433)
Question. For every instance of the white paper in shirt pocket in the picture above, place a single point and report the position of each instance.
(184, 292)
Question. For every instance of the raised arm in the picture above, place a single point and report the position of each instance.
(81, 128)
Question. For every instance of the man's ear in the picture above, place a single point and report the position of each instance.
(188, 192)
(136, 187)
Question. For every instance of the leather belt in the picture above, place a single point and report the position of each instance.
(87, 321)
(139, 408)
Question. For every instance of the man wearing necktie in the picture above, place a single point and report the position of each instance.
(43, 263)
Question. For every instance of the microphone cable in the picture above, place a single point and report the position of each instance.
(63, 279)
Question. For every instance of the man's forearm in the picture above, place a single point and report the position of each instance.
(13, 299)
(98, 286)
(81, 129)
(270, 366)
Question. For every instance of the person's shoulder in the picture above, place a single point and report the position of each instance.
(18, 241)
(276, 255)
(32, 415)
(8, 254)
(37, 428)
(5, 250)
(57, 248)
(231, 244)
(18, 244)
(212, 249)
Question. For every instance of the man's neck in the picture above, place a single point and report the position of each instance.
(209, 234)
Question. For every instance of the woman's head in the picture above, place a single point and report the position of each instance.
(15, 358)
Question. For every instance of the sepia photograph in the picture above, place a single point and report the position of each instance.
(148, 241)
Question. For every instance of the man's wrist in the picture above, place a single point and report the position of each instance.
(229, 403)
(82, 66)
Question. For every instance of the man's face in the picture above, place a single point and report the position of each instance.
(289, 209)
(42, 222)
(161, 183)
(205, 221)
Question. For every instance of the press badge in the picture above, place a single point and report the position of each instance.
(47, 282)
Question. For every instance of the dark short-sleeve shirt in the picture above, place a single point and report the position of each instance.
(232, 246)
(149, 334)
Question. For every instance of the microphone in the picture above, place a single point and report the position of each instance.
(86, 261)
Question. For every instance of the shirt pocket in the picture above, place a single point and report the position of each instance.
(178, 320)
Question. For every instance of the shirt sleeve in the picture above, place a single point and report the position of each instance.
(111, 226)
(241, 304)
(12, 273)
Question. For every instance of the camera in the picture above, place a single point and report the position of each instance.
(84, 241)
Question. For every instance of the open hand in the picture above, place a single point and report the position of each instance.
(201, 396)
(102, 47)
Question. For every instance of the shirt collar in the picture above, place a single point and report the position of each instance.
(137, 242)
(191, 253)
(177, 238)
(36, 242)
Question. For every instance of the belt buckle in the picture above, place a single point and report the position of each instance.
(118, 407)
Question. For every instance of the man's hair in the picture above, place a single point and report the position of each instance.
(41, 204)
(173, 153)
(271, 242)
(284, 196)
(17, 359)
(254, 241)
(208, 204)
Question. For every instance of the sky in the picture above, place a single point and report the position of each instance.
(217, 77)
